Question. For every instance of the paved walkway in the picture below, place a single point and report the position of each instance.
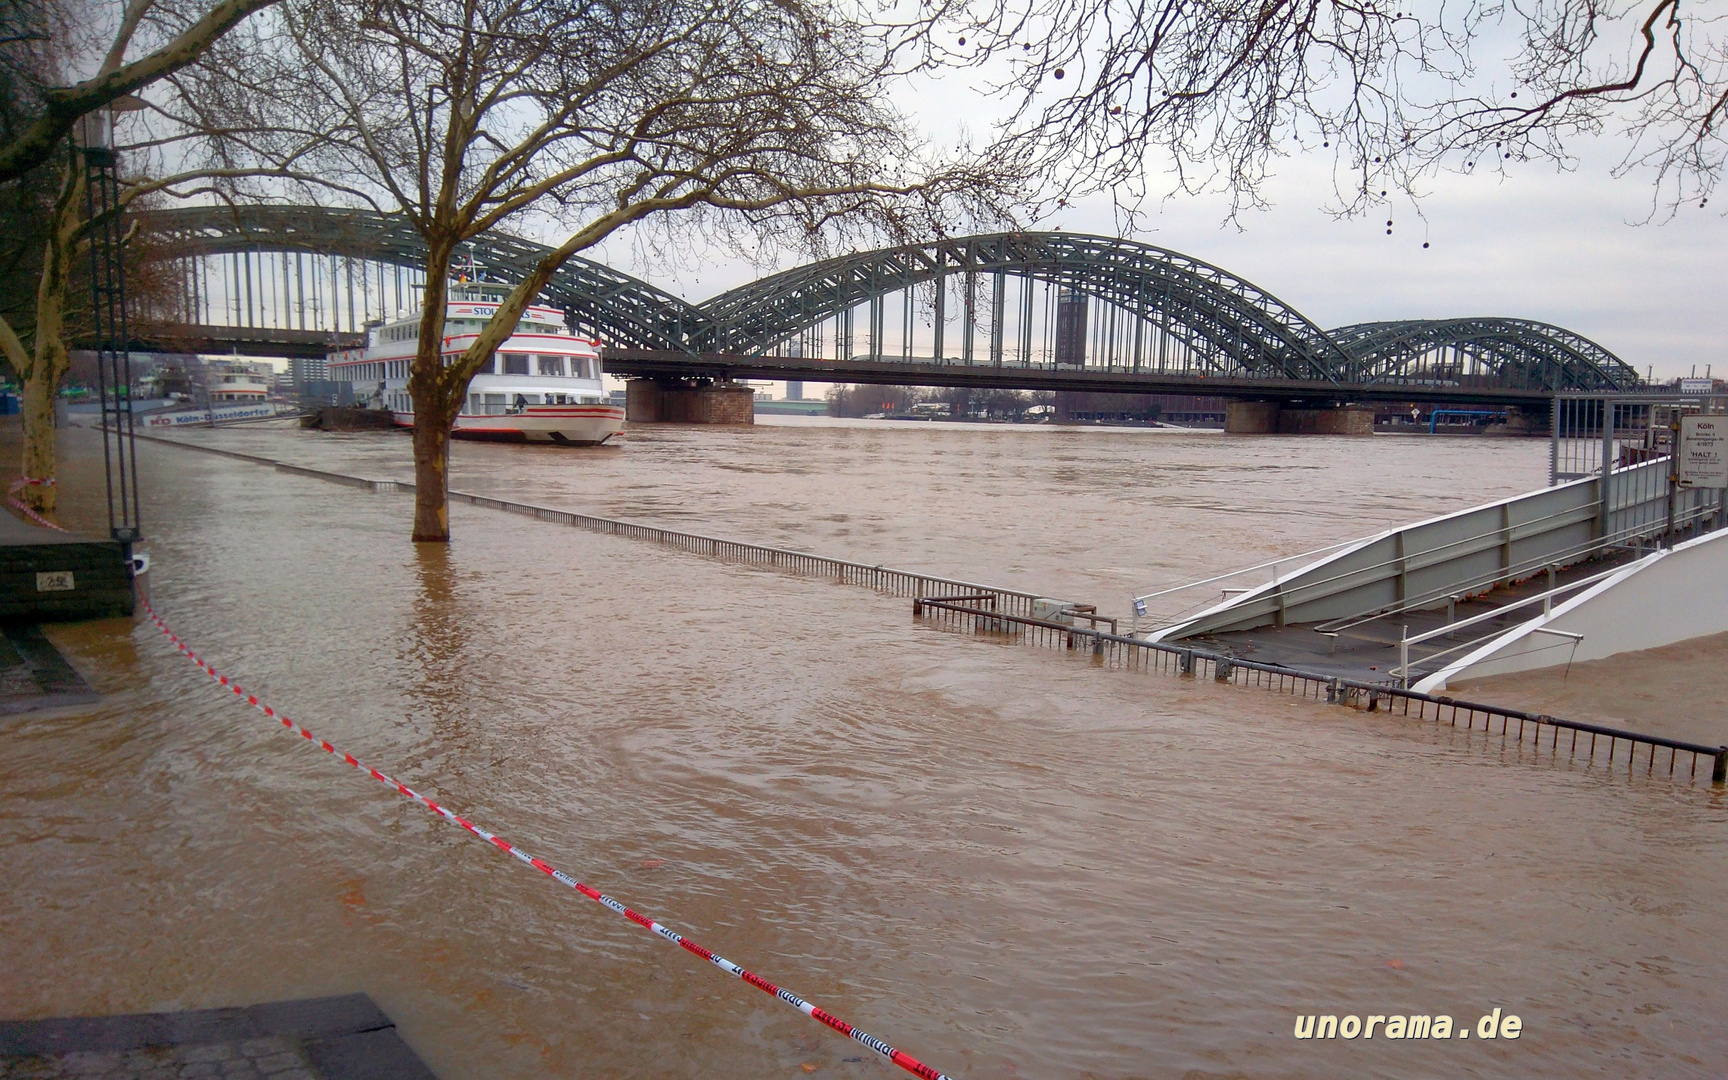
(333, 1038)
(248, 1059)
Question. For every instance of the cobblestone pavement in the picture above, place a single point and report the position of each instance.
(247, 1059)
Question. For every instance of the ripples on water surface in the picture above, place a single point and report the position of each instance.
(1005, 860)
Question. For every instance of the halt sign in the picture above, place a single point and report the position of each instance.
(1704, 451)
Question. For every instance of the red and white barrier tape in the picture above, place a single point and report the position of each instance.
(18, 504)
(901, 1058)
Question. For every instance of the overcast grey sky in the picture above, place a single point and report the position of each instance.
(1560, 247)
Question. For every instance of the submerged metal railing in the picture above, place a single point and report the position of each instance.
(1140, 654)
(963, 602)
(882, 578)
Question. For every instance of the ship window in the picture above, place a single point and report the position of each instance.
(552, 365)
(494, 404)
(515, 363)
(487, 364)
(473, 403)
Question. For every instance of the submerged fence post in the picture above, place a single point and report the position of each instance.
(1223, 669)
(1719, 774)
(1187, 658)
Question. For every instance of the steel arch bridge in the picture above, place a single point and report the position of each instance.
(1229, 325)
(1079, 305)
(1522, 352)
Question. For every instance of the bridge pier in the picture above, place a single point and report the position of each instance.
(1278, 418)
(689, 401)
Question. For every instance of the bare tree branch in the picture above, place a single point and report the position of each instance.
(64, 105)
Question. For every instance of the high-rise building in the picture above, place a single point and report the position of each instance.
(1070, 326)
(303, 370)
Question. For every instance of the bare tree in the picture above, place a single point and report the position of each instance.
(42, 367)
(44, 40)
(1220, 89)
(583, 116)
(174, 36)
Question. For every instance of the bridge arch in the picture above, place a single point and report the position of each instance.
(1139, 309)
(1228, 325)
(617, 308)
(1519, 353)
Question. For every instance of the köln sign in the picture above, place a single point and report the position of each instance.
(1704, 451)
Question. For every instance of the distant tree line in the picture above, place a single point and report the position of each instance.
(868, 400)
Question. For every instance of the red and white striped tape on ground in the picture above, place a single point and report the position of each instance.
(19, 505)
(901, 1058)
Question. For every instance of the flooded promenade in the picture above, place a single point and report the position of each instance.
(1005, 860)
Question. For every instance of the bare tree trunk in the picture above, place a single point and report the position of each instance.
(431, 478)
(433, 414)
(47, 368)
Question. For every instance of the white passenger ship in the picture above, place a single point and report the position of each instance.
(542, 385)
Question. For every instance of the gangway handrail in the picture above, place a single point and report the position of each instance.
(1250, 569)
(1464, 586)
(1410, 556)
(1402, 671)
(1537, 563)
(1407, 558)
(1524, 603)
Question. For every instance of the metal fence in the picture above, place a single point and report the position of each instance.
(988, 609)
(882, 578)
(1606, 746)
(1609, 437)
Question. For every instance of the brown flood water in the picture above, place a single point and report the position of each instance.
(1007, 861)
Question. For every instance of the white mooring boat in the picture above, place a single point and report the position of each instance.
(542, 385)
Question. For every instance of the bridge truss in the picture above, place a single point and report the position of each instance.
(1059, 302)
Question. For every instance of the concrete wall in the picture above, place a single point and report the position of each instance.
(1663, 598)
(1348, 420)
(649, 402)
(1251, 418)
(101, 581)
(1270, 418)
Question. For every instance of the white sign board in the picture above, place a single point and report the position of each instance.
(203, 416)
(54, 581)
(1697, 386)
(1704, 451)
